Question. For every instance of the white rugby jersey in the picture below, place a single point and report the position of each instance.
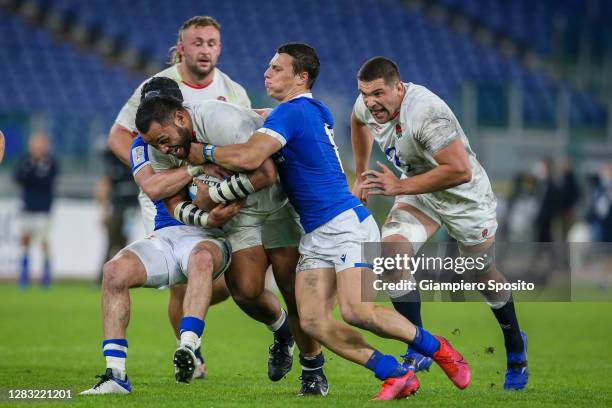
(221, 88)
(220, 124)
(424, 126)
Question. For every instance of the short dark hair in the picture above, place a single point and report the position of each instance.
(195, 21)
(305, 59)
(160, 86)
(379, 67)
(158, 109)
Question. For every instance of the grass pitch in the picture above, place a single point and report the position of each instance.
(52, 340)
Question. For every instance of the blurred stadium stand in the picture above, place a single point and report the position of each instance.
(76, 90)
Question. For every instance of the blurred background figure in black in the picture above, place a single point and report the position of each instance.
(35, 173)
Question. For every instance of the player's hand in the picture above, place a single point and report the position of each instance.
(358, 190)
(213, 169)
(385, 183)
(202, 198)
(222, 213)
(195, 154)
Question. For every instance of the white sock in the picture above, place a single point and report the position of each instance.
(189, 339)
(277, 324)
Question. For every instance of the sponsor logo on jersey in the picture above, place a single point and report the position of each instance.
(485, 232)
(343, 258)
(221, 98)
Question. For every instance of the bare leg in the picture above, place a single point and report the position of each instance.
(246, 283)
(120, 274)
(315, 295)
(284, 262)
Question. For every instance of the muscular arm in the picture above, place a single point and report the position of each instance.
(158, 186)
(240, 157)
(119, 141)
(453, 169)
(362, 144)
(198, 217)
(362, 149)
(262, 177)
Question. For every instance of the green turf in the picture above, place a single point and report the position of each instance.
(51, 339)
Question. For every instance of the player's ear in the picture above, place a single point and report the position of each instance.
(303, 77)
(179, 118)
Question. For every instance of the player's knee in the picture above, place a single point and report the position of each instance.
(201, 261)
(312, 325)
(114, 276)
(356, 314)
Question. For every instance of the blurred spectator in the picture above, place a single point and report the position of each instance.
(117, 193)
(548, 197)
(522, 209)
(569, 196)
(36, 174)
(600, 215)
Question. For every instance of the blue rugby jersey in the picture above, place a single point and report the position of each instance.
(308, 163)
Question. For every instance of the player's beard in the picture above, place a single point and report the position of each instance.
(184, 146)
(200, 73)
(384, 113)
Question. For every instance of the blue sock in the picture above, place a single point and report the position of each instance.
(312, 365)
(46, 278)
(24, 275)
(192, 324)
(384, 366)
(424, 342)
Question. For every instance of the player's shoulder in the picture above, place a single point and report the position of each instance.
(229, 81)
(421, 104)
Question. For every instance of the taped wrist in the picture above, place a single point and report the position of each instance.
(208, 152)
(190, 214)
(234, 188)
(195, 171)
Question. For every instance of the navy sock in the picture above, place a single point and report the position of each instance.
(24, 275)
(46, 277)
(198, 354)
(424, 342)
(409, 306)
(312, 365)
(384, 366)
(284, 332)
(506, 317)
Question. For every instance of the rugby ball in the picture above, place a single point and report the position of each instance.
(206, 179)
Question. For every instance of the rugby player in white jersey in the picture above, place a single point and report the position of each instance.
(266, 231)
(442, 183)
(194, 70)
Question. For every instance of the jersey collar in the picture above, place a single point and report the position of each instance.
(305, 95)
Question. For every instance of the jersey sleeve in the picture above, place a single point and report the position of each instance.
(282, 123)
(139, 154)
(127, 115)
(438, 130)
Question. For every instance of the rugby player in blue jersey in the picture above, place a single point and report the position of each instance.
(299, 134)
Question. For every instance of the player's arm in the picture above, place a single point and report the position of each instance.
(453, 169)
(236, 187)
(361, 140)
(237, 157)
(119, 141)
(189, 214)
(158, 186)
